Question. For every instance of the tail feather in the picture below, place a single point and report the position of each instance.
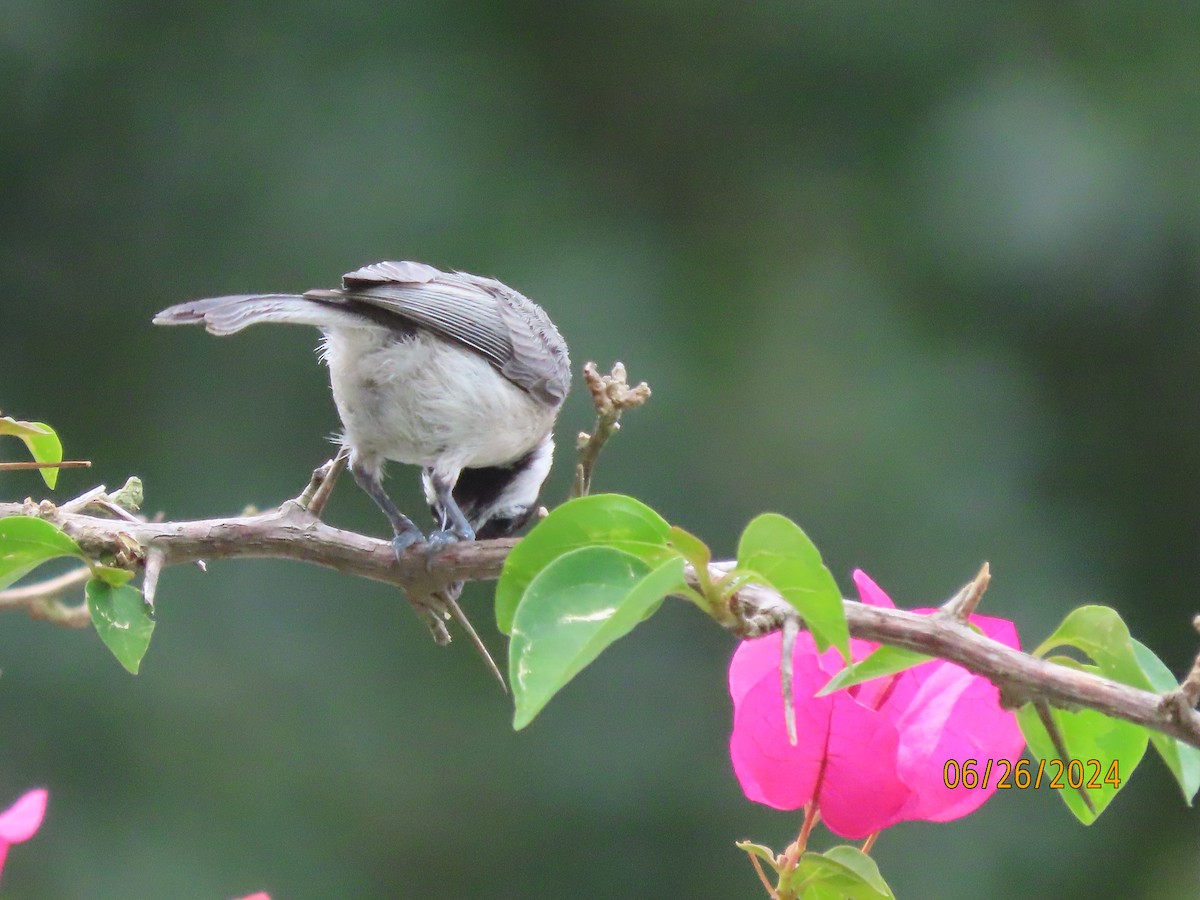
(228, 315)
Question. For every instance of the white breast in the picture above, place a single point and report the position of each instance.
(425, 401)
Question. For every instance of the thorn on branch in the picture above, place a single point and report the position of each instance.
(155, 560)
(320, 486)
(791, 629)
(963, 604)
(611, 395)
(476, 641)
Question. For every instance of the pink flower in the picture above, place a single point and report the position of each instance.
(261, 895)
(872, 755)
(21, 821)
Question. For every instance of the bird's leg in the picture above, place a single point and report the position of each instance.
(460, 529)
(405, 532)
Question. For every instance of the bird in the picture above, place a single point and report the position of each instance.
(456, 373)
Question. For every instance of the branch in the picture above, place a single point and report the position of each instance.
(1021, 678)
(289, 532)
(292, 532)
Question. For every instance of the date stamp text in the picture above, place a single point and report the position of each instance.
(1076, 774)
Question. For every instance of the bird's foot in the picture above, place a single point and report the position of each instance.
(439, 540)
(405, 539)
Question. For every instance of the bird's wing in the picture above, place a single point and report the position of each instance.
(508, 330)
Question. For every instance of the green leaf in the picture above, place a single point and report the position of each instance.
(574, 608)
(710, 597)
(884, 661)
(122, 620)
(26, 543)
(45, 448)
(43, 443)
(1099, 632)
(844, 871)
(766, 854)
(612, 520)
(1182, 759)
(691, 548)
(9, 425)
(862, 865)
(1097, 744)
(776, 549)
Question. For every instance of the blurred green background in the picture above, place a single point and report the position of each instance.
(921, 276)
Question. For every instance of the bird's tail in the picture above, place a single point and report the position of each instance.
(227, 315)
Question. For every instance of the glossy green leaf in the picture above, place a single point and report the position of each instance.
(42, 441)
(122, 620)
(1100, 745)
(844, 871)
(1100, 632)
(883, 661)
(776, 549)
(1182, 759)
(574, 608)
(26, 543)
(45, 448)
(612, 520)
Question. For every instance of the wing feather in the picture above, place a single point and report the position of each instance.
(512, 332)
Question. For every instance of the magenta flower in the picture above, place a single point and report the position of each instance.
(874, 754)
(21, 821)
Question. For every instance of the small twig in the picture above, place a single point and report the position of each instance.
(473, 635)
(611, 395)
(122, 504)
(1060, 746)
(41, 601)
(762, 876)
(57, 613)
(65, 464)
(963, 604)
(116, 510)
(316, 494)
(18, 597)
(1185, 698)
(791, 856)
(1189, 688)
(81, 502)
(869, 843)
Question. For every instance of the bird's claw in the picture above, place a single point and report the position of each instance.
(405, 539)
(439, 540)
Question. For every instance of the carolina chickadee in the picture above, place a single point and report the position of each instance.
(456, 373)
